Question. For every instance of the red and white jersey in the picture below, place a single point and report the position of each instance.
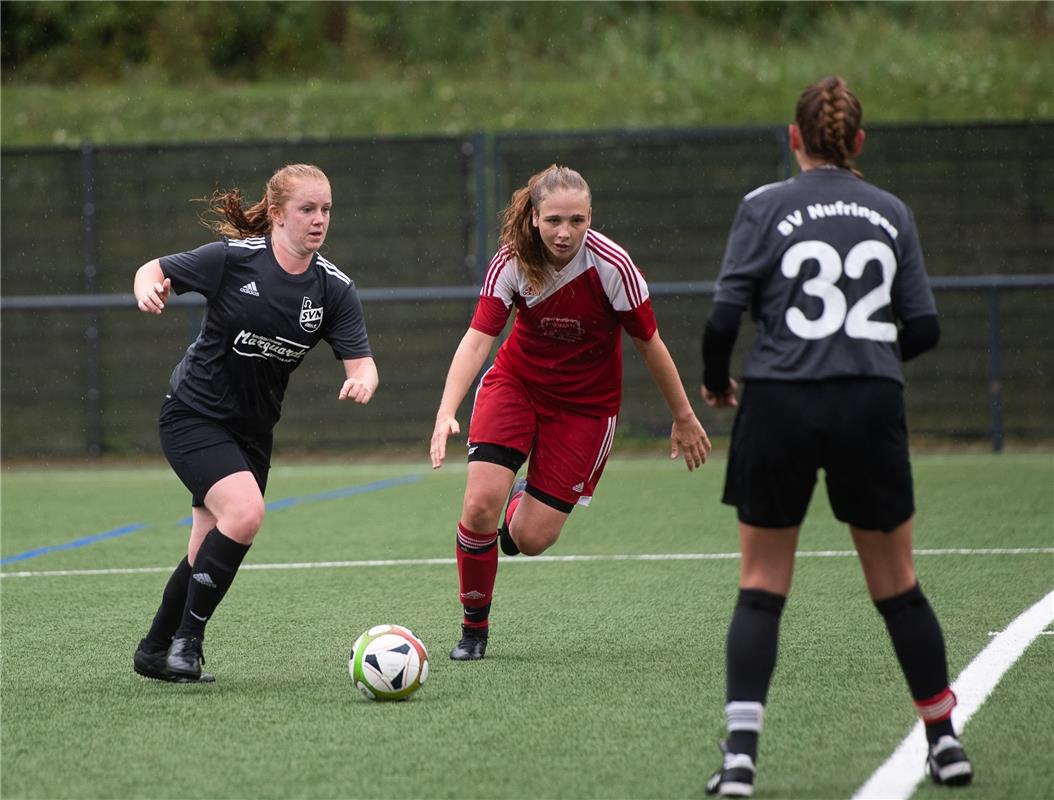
(566, 343)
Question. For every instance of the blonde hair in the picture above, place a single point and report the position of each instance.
(517, 232)
(240, 223)
(829, 116)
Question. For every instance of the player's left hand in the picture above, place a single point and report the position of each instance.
(689, 438)
(357, 390)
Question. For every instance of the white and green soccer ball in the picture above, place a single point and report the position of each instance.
(388, 662)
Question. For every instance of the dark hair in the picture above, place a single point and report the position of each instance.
(829, 116)
(517, 232)
(240, 223)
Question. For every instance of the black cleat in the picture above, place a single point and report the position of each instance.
(508, 546)
(150, 663)
(472, 646)
(947, 763)
(735, 776)
(184, 658)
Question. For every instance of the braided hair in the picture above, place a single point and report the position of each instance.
(829, 116)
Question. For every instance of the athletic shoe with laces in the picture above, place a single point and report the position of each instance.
(185, 657)
(149, 661)
(508, 546)
(472, 646)
(735, 776)
(947, 763)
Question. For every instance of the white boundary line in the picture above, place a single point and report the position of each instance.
(898, 777)
(418, 562)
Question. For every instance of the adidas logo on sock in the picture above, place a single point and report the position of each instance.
(204, 579)
(250, 288)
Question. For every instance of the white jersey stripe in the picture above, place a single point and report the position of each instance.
(605, 447)
(501, 258)
(761, 189)
(620, 259)
(333, 270)
(252, 243)
(629, 285)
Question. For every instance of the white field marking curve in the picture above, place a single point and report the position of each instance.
(897, 778)
(419, 562)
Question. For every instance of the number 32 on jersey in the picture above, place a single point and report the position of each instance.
(836, 313)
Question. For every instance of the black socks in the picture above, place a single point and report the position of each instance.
(211, 576)
(919, 645)
(750, 659)
(170, 612)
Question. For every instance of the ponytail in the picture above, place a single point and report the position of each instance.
(240, 223)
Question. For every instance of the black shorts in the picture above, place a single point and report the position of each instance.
(203, 451)
(853, 429)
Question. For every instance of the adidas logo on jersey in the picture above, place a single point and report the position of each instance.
(250, 288)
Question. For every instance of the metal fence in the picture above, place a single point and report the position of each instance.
(415, 224)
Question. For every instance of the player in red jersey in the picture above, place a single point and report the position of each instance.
(554, 390)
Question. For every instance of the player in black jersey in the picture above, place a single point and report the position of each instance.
(271, 298)
(831, 269)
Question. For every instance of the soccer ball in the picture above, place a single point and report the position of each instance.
(388, 662)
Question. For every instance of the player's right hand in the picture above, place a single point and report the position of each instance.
(445, 426)
(153, 300)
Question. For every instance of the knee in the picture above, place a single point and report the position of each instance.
(531, 548)
(534, 544)
(480, 513)
(242, 521)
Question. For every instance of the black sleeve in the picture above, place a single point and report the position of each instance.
(199, 270)
(346, 329)
(719, 338)
(917, 335)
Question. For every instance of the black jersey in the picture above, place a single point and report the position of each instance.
(828, 264)
(259, 323)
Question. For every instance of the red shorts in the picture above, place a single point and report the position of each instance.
(568, 451)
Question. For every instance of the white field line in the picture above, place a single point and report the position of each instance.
(898, 777)
(419, 562)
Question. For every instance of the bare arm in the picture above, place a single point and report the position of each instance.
(360, 380)
(151, 287)
(473, 350)
(687, 436)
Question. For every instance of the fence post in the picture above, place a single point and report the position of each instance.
(93, 410)
(479, 169)
(995, 368)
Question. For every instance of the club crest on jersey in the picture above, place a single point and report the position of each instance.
(310, 317)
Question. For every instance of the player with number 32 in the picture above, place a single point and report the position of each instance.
(832, 271)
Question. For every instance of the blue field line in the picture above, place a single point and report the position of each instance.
(288, 502)
(83, 542)
(333, 494)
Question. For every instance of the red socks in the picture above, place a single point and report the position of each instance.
(477, 567)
